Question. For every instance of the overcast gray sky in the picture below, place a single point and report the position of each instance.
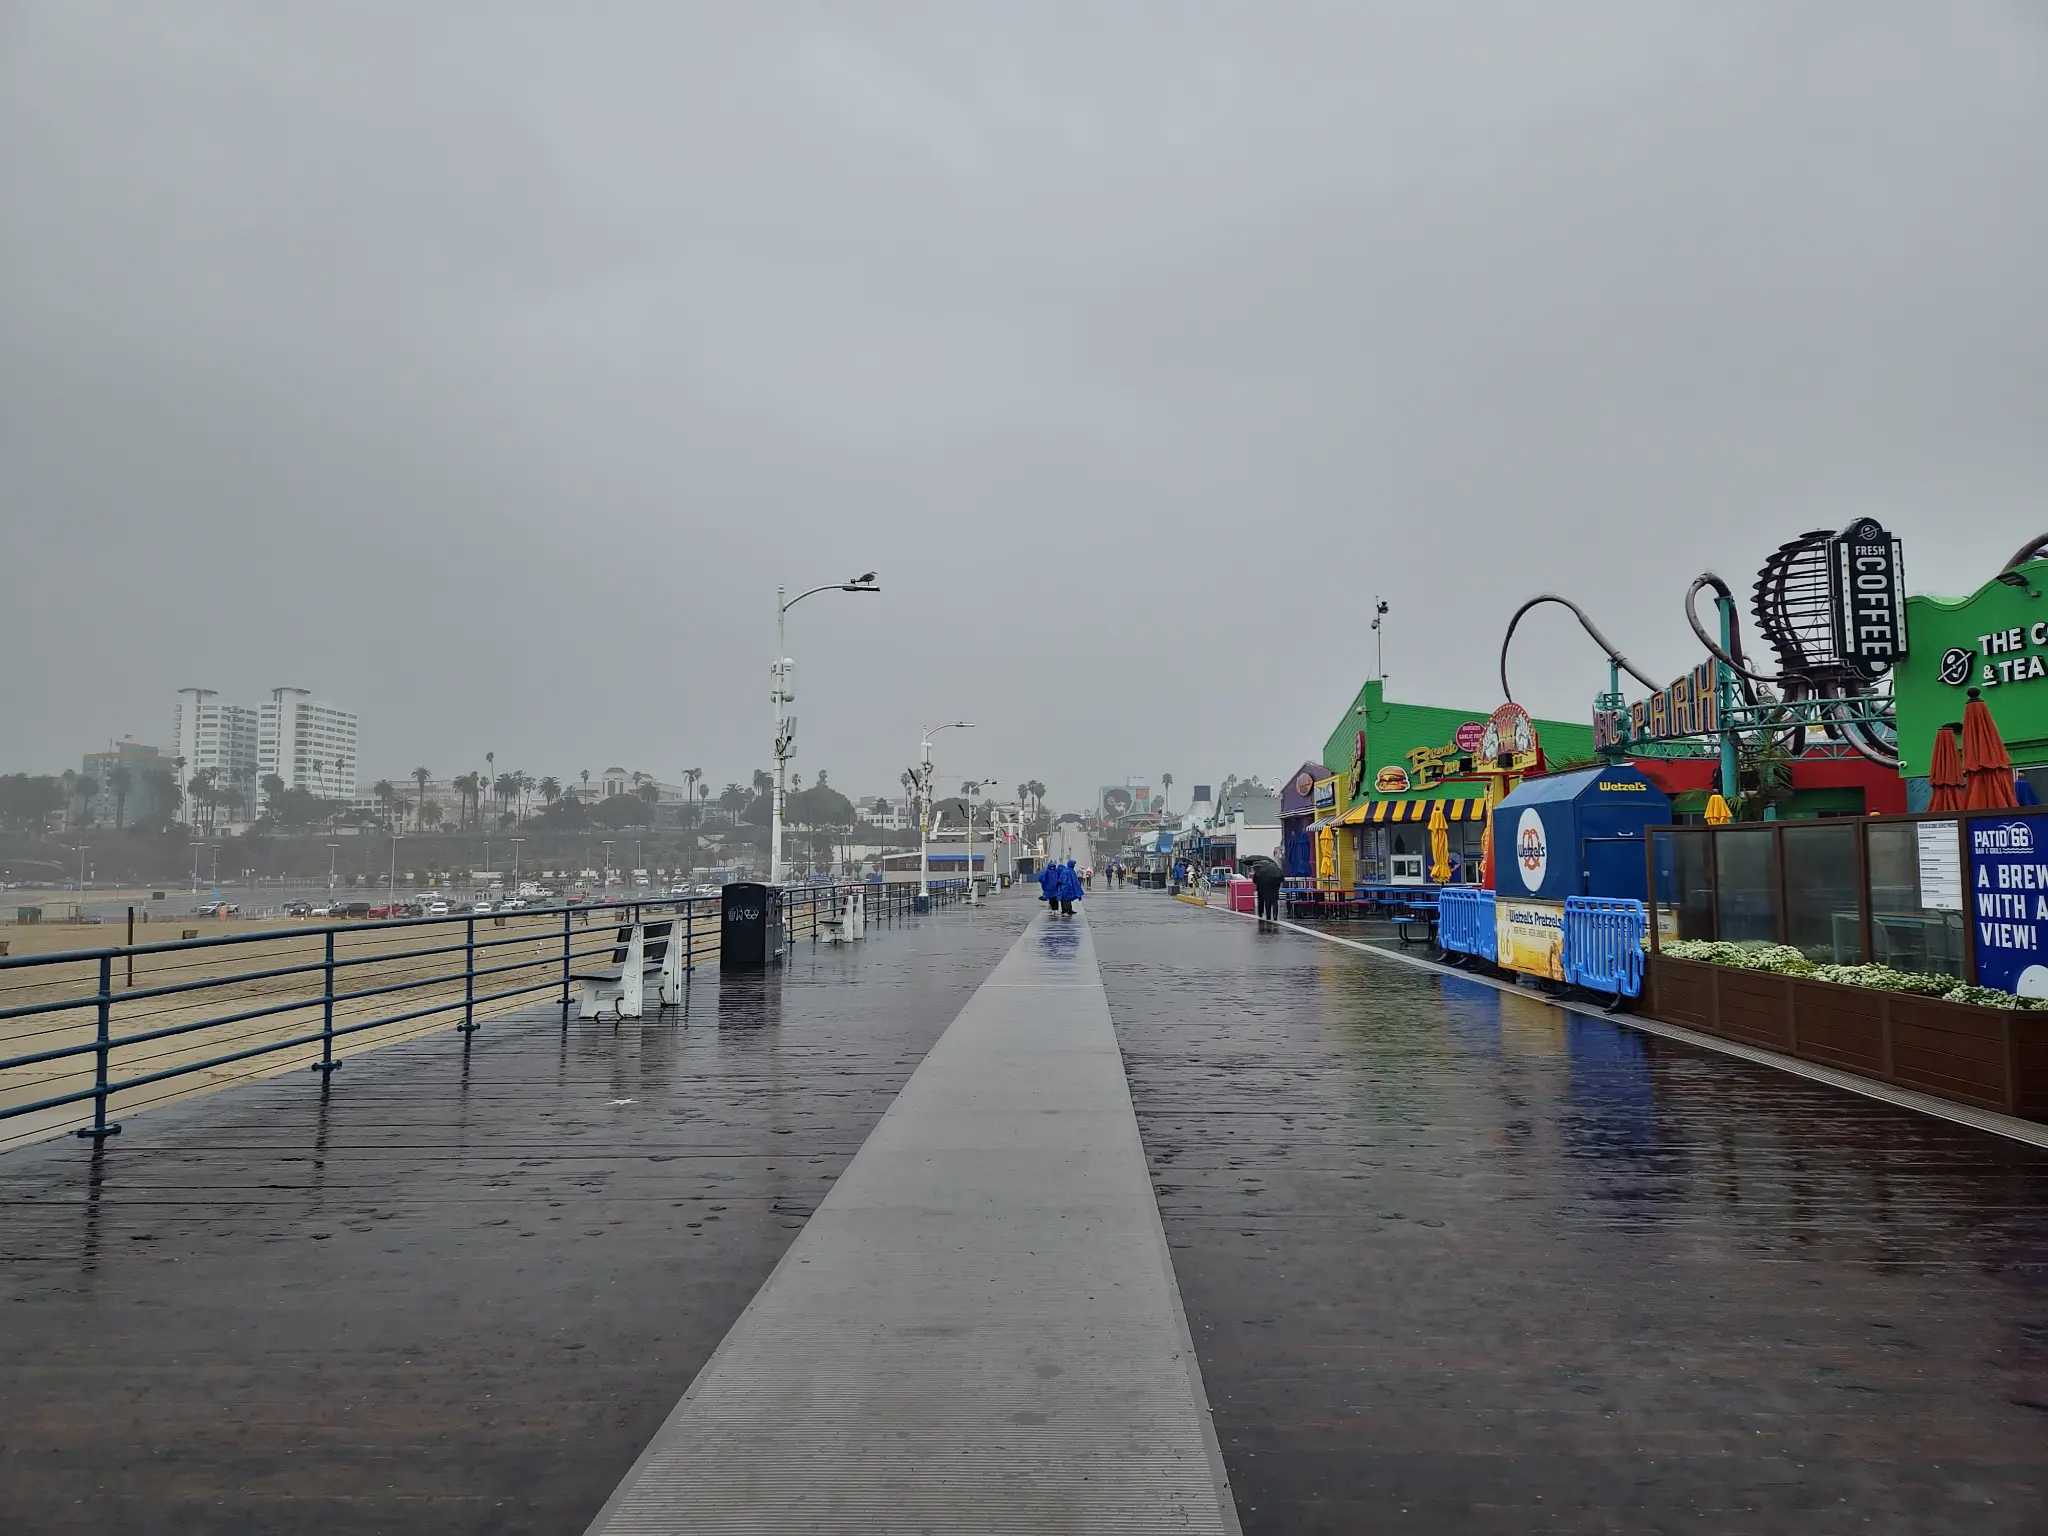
(485, 366)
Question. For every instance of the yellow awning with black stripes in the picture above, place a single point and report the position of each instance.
(1412, 810)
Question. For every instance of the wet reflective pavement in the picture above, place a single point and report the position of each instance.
(1460, 1261)
(460, 1291)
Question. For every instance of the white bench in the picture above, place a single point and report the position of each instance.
(850, 922)
(639, 951)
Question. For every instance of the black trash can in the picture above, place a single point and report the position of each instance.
(750, 925)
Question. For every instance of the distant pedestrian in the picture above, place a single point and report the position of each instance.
(1267, 878)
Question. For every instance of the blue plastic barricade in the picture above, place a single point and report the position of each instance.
(1464, 923)
(1603, 944)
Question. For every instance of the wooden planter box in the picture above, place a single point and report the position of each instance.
(1989, 1057)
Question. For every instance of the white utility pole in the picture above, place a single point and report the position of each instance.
(924, 806)
(780, 691)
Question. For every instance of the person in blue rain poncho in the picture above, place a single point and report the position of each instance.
(1045, 886)
(1066, 887)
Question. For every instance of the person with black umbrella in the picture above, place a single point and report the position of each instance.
(1267, 878)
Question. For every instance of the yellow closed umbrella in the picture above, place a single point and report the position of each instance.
(1439, 845)
(1718, 814)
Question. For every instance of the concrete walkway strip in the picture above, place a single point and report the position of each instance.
(979, 1329)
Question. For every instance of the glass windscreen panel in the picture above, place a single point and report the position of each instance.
(1916, 896)
(1746, 884)
(1685, 884)
(1823, 894)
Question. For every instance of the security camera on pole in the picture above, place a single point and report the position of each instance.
(781, 675)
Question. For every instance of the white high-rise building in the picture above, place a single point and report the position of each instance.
(212, 735)
(309, 743)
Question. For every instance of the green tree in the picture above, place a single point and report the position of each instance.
(619, 811)
(732, 800)
(161, 787)
(119, 783)
(420, 776)
(26, 800)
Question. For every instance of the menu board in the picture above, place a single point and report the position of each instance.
(1941, 866)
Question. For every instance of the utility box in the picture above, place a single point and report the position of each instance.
(750, 931)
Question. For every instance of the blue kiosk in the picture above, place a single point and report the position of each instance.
(1577, 834)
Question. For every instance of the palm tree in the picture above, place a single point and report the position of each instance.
(703, 795)
(202, 795)
(387, 796)
(120, 781)
(1166, 789)
(550, 789)
(690, 778)
(586, 783)
(503, 789)
(732, 800)
(420, 777)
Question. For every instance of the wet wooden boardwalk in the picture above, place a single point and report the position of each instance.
(1452, 1260)
(1460, 1261)
(460, 1291)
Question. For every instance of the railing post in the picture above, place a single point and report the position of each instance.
(567, 916)
(689, 934)
(468, 1024)
(99, 1129)
(327, 1063)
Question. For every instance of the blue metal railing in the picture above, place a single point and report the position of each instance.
(1465, 922)
(1603, 944)
(77, 1038)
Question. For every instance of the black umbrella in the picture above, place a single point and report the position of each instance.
(1259, 867)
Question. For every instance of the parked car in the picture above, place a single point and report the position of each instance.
(298, 909)
(322, 909)
(437, 909)
(481, 907)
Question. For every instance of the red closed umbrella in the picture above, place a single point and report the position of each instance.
(1987, 766)
(1945, 772)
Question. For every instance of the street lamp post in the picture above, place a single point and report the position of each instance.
(924, 805)
(515, 861)
(780, 691)
(331, 849)
(391, 889)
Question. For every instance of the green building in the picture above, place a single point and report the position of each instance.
(1394, 735)
(1390, 761)
(1996, 641)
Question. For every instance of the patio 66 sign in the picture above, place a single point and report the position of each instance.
(2009, 889)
